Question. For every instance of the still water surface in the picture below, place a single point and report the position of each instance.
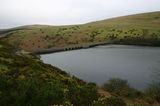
(136, 64)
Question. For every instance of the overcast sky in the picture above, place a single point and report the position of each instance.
(64, 12)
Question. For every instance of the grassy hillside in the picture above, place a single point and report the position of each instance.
(140, 29)
(26, 81)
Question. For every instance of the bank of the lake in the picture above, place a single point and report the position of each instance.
(69, 47)
(85, 46)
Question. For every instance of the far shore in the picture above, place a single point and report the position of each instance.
(71, 47)
(83, 46)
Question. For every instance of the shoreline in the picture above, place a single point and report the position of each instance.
(68, 48)
(84, 46)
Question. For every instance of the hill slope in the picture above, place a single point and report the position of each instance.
(139, 29)
(26, 81)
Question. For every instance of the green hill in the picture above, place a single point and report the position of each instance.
(27, 81)
(139, 29)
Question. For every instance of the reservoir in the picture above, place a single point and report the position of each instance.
(137, 64)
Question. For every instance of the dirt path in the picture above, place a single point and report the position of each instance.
(103, 92)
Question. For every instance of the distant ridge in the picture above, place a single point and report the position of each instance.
(137, 29)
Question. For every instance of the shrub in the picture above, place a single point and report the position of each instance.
(109, 101)
(121, 88)
(77, 95)
(26, 81)
(136, 104)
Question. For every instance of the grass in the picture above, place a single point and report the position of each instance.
(139, 29)
(154, 91)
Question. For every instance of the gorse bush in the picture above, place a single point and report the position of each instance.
(26, 81)
(121, 88)
(109, 101)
